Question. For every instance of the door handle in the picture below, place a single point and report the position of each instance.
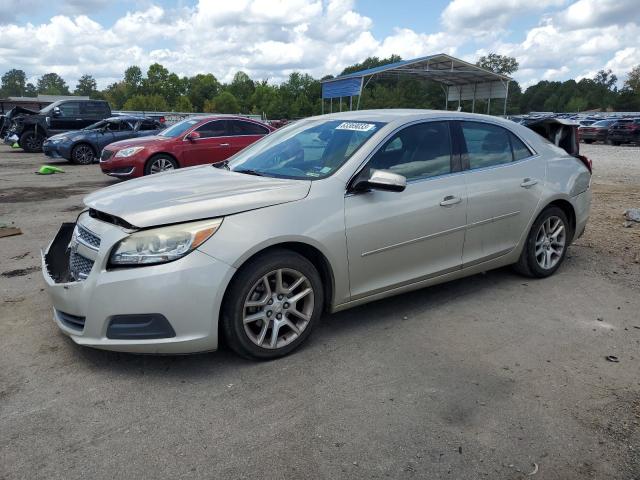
(450, 200)
(528, 182)
(224, 145)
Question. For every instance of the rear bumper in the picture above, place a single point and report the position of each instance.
(582, 207)
(186, 293)
(624, 137)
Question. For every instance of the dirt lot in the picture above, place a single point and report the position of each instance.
(493, 376)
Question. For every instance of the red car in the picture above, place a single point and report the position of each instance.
(193, 141)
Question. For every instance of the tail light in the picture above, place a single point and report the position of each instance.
(161, 120)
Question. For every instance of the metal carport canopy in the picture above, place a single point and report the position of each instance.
(461, 80)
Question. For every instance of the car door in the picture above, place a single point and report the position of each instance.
(211, 146)
(504, 180)
(68, 118)
(244, 134)
(397, 238)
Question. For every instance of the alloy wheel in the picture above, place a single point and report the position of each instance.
(278, 308)
(83, 154)
(550, 242)
(161, 165)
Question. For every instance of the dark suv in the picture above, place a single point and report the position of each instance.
(30, 129)
(626, 130)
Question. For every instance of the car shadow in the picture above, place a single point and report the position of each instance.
(329, 330)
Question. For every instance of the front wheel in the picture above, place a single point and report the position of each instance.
(546, 246)
(272, 305)
(31, 142)
(160, 163)
(82, 154)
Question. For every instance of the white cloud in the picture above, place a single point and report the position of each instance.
(599, 13)
(489, 15)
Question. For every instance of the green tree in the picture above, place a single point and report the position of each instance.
(30, 90)
(183, 104)
(13, 83)
(52, 84)
(133, 80)
(633, 80)
(371, 62)
(147, 103)
(576, 104)
(498, 63)
(86, 86)
(242, 88)
(224, 102)
(606, 78)
(200, 88)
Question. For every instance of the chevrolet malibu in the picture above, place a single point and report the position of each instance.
(325, 214)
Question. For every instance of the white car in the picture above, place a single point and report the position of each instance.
(322, 215)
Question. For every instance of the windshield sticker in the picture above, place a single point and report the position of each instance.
(356, 126)
(325, 169)
(312, 174)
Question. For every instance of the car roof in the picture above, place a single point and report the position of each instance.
(130, 117)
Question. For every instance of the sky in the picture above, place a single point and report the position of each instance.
(268, 39)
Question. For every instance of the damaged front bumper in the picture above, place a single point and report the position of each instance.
(168, 308)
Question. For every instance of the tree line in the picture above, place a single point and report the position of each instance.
(299, 96)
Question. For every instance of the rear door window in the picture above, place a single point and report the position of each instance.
(70, 109)
(520, 150)
(238, 127)
(93, 109)
(486, 145)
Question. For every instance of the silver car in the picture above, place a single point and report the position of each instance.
(322, 215)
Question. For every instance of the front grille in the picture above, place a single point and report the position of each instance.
(106, 155)
(88, 238)
(79, 266)
(71, 321)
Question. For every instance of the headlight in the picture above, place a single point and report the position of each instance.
(127, 152)
(161, 245)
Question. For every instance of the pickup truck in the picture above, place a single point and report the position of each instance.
(29, 129)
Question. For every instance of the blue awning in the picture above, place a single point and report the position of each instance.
(348, 87)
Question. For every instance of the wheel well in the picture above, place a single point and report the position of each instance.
(568, 210)
(315, 256)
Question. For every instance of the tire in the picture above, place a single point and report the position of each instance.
(589, 142)
(160, 163)
(547, 247)
(255, 339)
(615, 143)
(31, 142)
(83, 154)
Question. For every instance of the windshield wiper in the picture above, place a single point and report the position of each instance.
(249, 172)
(223, 164)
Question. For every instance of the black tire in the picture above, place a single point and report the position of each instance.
(31, 142)
(241, 287)
(83, 154)
(528, 264)
(615, 143)
(149, 167)
(588, 142)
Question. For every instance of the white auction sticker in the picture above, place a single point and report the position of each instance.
(357, 126)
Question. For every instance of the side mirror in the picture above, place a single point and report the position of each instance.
(192, 136)
(56, 111)
(381, 180)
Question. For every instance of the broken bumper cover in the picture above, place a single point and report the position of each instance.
(170, 308)
(11, 138)
(53, 150)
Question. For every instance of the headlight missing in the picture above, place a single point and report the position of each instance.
(162, 245)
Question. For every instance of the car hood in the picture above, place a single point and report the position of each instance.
(72, 133)
(134, 142)
(193, 194)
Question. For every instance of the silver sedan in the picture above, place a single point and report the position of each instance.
(325, 214)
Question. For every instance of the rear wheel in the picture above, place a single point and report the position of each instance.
(31, 142)
(546, 246)
(272, 305)
(82, 154)
(160, 163)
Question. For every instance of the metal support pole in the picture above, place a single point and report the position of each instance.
(459, 98)
(506, 98)
(322, 105)
(331, 105)
(473, 102)
(489, 102)
(340, 103)
(350, 102)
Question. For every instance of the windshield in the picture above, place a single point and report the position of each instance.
(178, 129)
(604, 123)
(308, 150)
(97, 125)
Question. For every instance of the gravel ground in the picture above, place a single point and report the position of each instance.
(493, 376)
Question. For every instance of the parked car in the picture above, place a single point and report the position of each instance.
(324, 214)
(586, 123)
(84, 146)
(596, 132)
(193, 141)
(625, 130)
(30, 129)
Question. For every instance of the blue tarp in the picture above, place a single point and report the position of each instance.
(348, 87)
